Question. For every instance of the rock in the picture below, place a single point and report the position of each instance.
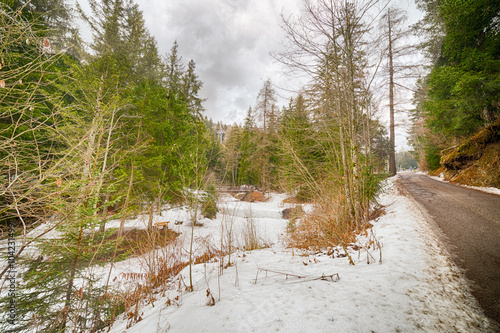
(287, 213)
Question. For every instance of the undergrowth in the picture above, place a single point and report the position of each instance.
(130, 243)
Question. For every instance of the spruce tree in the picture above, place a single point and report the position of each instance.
(462, 89)
(248, 169)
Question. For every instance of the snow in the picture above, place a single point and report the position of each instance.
(411, 285)
(492, 190)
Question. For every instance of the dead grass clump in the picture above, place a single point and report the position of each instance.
(239, 195)
(296, 200)
(209, 251)
(375, 213)
(324, 228)
(133, 241)
(319, 231)
(250, 235)
(253, 196)
(161, 265)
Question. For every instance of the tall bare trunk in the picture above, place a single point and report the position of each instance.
(392, 140)
(264, 144)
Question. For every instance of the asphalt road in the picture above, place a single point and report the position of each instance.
(468, 222)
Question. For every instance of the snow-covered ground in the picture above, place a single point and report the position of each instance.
(409, 286)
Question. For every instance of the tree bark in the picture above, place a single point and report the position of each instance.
(392, 140)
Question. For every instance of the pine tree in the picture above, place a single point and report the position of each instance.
(267, 114)
(300, 156)
(232, 153)
(462, 90)
(248, 169)
(191, 86)
(174, 70)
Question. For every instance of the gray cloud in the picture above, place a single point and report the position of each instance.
(229, 40)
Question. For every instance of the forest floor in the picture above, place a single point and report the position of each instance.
(409, 284)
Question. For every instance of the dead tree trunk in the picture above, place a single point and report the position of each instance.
(392, 140)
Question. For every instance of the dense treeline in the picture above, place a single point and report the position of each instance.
(461, 93)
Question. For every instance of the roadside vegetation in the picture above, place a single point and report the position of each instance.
(458, 100)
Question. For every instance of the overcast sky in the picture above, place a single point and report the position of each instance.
(230, 42)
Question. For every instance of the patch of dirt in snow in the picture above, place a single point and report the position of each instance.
(415, 288)
(253, 196)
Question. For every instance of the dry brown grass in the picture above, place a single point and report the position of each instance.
(160, 255)
(133, 240)
(476, 161)
(325, 227)
(483, 172)
(158, 250)
(296, 200)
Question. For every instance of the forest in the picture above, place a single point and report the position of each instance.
(109, 130)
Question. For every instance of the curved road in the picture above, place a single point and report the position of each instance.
(469, 224)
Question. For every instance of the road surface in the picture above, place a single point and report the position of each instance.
(468, 222)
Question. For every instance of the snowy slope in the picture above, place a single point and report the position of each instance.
(415, 288)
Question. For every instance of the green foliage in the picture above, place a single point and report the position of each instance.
(432, 157)
(32, 104)
(231, 154)
(248, 172)
(298, 143)
(460, 101)
(209, 203)
(58, 288)
(78, 140)
(464, 84)
(171, 133)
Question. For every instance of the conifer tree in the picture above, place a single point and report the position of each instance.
(300, 155)
(267, 114)
(232, 153)
(191, 86)
(174, 70)
(248, 169)
(58, 180)
(462, 90)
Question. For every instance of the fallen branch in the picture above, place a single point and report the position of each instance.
(332, 277)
